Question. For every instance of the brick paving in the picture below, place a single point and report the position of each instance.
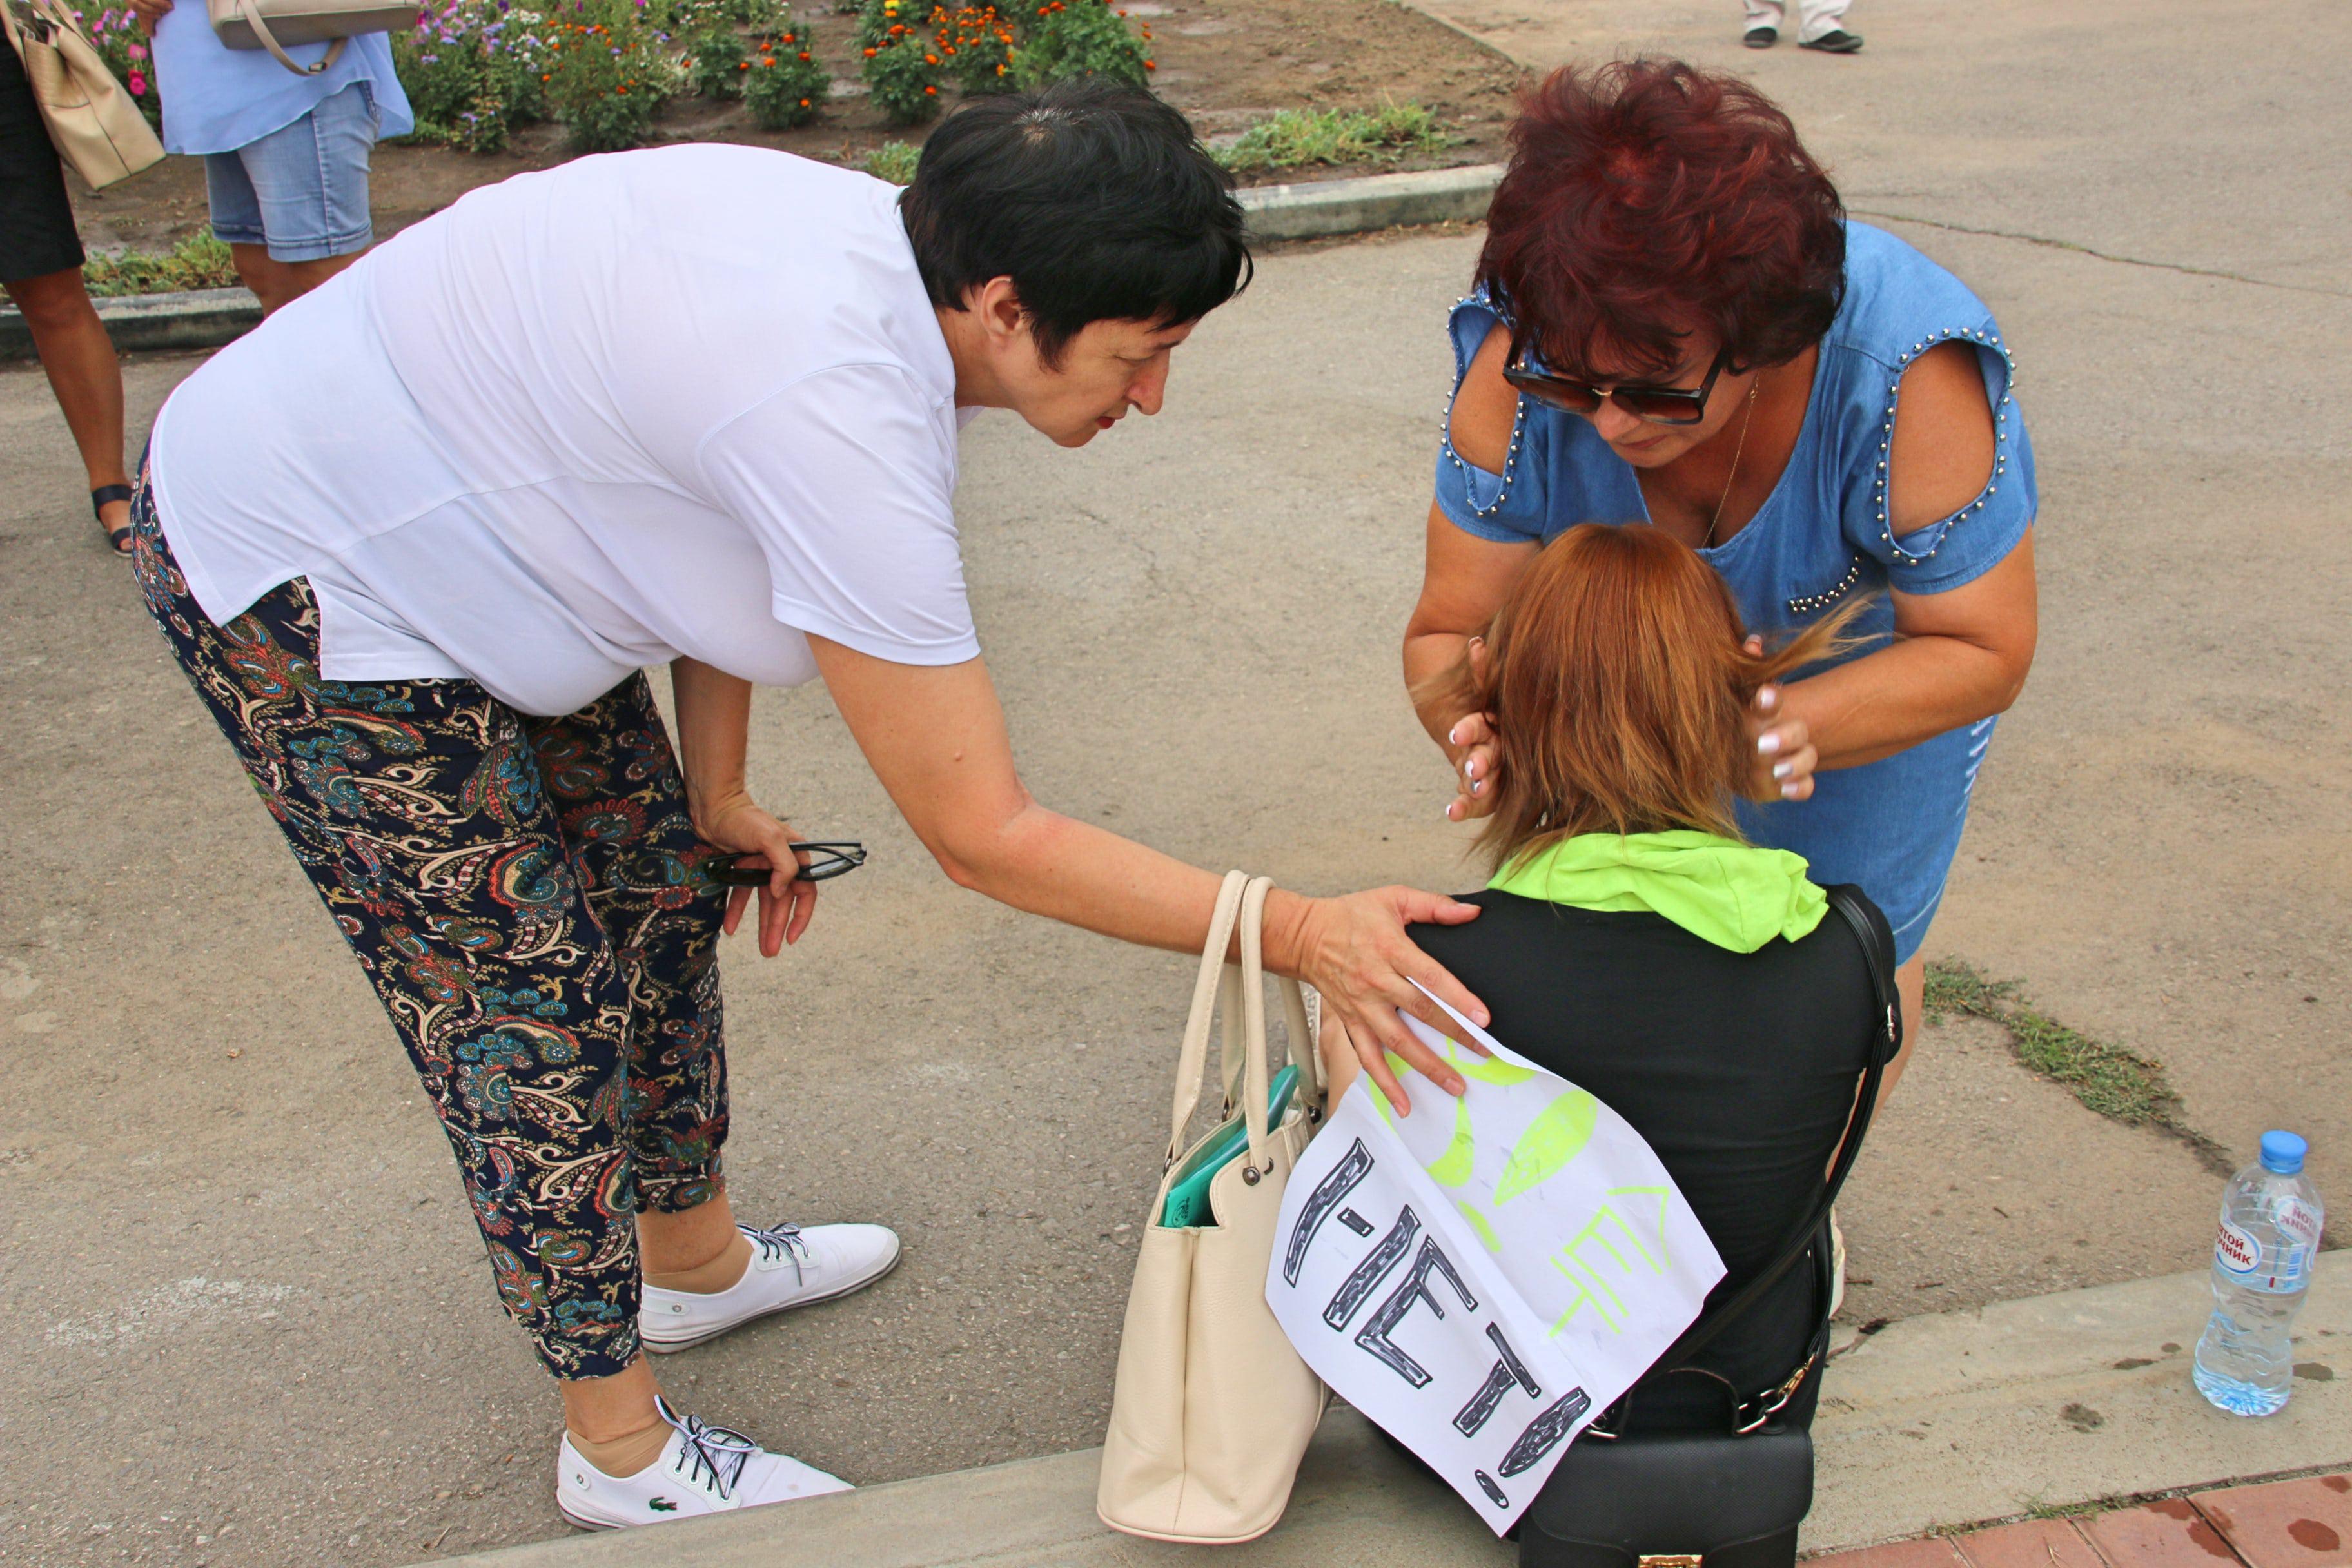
(2304, 1523)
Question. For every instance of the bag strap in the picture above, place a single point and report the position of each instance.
(251, 14)
(1886, 1043)
(1240, 991)
(1194, 1057)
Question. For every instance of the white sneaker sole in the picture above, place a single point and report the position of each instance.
(671, 1346)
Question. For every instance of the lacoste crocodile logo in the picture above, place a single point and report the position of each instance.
(662, 1505)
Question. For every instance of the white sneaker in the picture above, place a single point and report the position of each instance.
(702, 1469)
(790, 1267)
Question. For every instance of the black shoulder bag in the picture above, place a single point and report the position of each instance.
(1731, 1499)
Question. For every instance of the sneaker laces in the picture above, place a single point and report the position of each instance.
(781, 1241)
(719, 1451)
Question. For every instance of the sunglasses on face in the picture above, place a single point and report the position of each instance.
(1657, 405)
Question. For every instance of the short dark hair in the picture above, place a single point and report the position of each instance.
(1097, 200)
(1648, 197)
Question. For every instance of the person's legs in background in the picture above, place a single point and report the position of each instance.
(292, 207)
(40, 269)
(1821, 25)
(1764, 18)
(78, 358)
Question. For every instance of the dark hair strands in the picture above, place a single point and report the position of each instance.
(1097, 200)
(1647, 201)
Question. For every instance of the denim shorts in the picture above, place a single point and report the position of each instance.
(303, 190)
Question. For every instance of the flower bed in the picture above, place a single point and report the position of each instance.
(1283, 90)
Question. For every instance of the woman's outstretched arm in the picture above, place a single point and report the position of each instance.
(935, 736)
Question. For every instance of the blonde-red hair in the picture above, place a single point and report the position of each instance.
(1620, 684)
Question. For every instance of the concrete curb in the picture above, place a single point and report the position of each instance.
(1323, 208)
(207, 318)
(196, 319)
(1938, 1421)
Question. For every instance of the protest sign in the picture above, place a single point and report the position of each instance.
(1484, 1277)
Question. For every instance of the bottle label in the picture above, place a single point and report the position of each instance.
(2282, 1270)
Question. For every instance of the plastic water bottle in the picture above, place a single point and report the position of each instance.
(2271, 1219)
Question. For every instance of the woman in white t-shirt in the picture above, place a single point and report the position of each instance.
(417, 539)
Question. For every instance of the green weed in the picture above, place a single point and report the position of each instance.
(2117, 1083)
(895, 162)
(1292, 138)
(199, 263)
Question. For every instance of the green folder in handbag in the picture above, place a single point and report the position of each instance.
(1188, 1200)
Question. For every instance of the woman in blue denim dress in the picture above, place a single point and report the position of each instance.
(1673, 325)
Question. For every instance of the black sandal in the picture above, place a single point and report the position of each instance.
(102, 498)
(1837, 41)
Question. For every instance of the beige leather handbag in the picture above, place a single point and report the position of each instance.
(273, 25)
(1214, 1409)
(98, 130)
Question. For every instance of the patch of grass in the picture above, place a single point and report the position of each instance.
(199, 263)
(895, 162)
(2119, 1084)
(1292, 138)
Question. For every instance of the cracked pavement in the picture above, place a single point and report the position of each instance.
(247, 1322)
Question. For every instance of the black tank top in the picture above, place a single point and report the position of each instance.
(1738, 1070)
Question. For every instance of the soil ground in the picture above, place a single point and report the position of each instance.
(244, 1316)
(1225, 63)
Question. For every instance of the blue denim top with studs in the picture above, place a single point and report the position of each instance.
(1821, 536)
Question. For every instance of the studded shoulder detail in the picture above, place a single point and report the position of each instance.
(2000, 439)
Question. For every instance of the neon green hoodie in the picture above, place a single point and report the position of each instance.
(1732, 894)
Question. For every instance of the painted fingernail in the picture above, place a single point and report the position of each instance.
(1782, 770)
(1767, 742)
(1788, 792)
(1479, 788)
(1453, 736)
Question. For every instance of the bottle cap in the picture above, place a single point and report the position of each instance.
(2282, 1152)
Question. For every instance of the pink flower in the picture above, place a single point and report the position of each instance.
(138, 51)
(138, 85)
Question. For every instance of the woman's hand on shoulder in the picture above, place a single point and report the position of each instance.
(786, 904)
(1354, 950)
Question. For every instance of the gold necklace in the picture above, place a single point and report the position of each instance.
(1746, 420)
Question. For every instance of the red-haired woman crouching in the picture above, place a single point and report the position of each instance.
(1674, 325)
(1632, 942)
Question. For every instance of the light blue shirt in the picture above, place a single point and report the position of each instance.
(217, 100)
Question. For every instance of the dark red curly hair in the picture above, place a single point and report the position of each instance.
(1646, 200)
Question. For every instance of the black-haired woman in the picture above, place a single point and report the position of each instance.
(40, 269)
(416, 538)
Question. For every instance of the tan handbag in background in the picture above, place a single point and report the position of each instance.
(274, 25)
(1214, 1409)
(96, 127)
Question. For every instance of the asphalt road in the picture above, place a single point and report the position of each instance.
(245, 1319)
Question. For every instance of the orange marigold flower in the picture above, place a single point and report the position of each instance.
(871, 53)
(804, 103)
(743, 65)
(804, 54)
(930, 59)
(930, 92)
(1152, 65)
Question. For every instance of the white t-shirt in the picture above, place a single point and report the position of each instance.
(687, 401)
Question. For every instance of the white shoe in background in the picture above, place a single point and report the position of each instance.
(790, 1267)
(702, 1469)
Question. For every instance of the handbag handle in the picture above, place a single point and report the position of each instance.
(251, 14)
(1241, 900)
(1886, 1043)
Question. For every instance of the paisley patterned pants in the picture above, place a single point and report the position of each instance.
(530, 902)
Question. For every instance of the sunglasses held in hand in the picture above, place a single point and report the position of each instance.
(828, 860)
